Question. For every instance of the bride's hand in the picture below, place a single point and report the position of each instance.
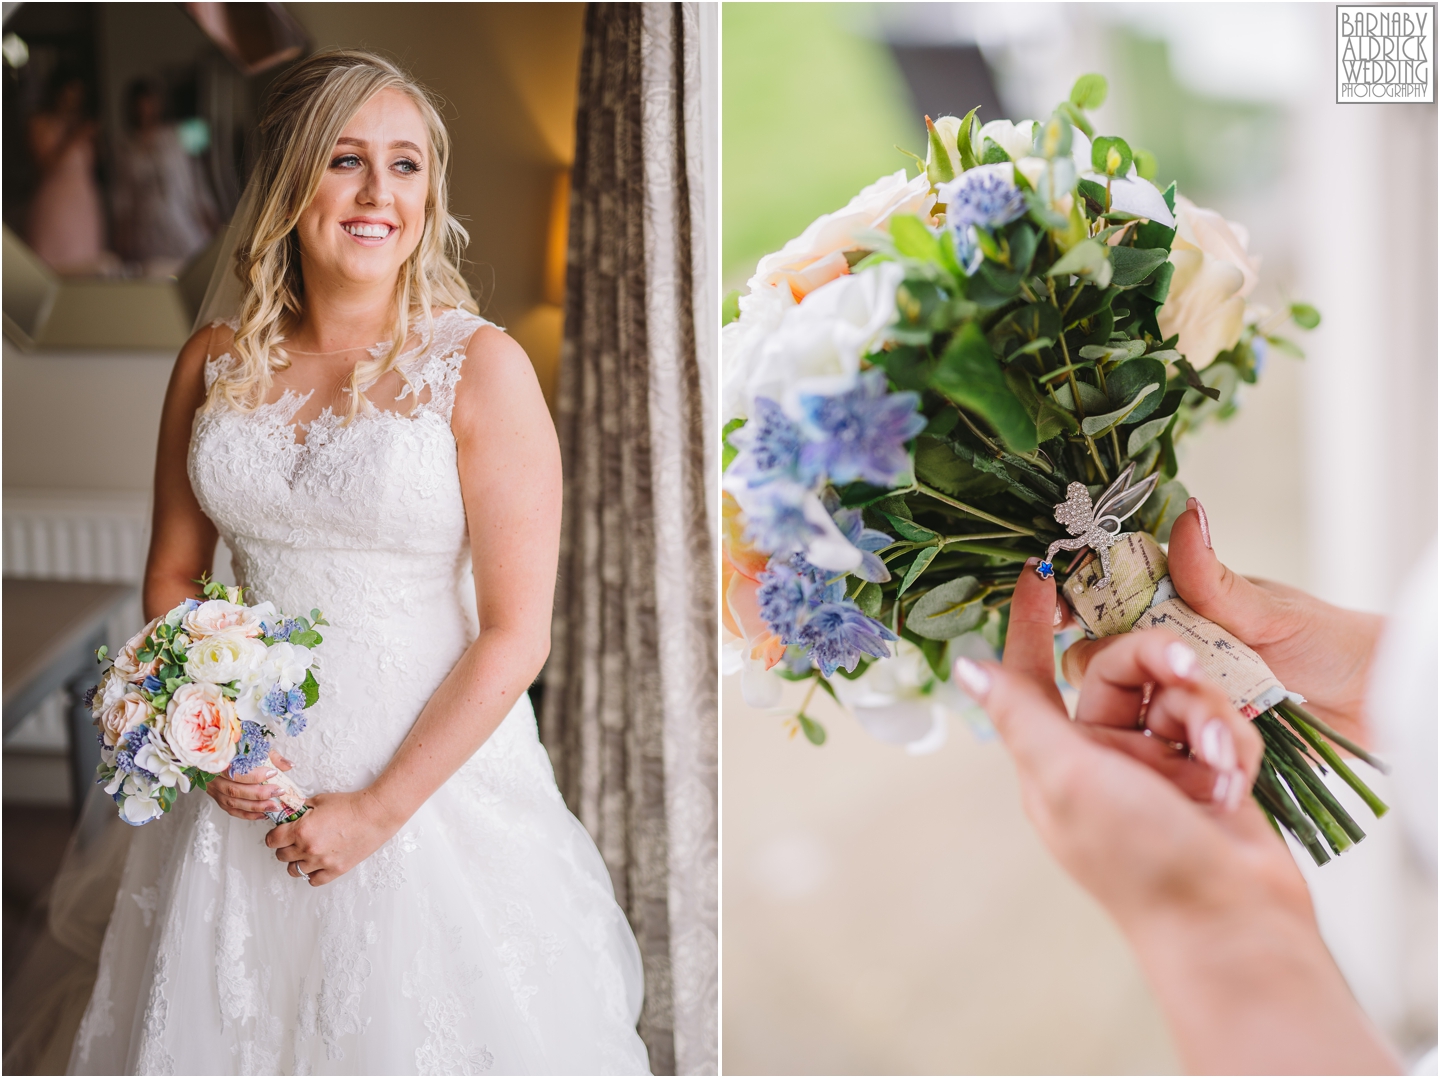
(339, 832)
(249, 797)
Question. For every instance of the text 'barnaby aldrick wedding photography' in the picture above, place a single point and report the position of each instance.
(1384, 53)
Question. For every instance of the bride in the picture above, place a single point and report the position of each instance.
(360, 439)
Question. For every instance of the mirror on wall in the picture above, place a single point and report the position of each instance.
(124, 133)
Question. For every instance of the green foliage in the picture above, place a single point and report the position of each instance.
(946, 611)
(1304, 315)
(310, 688)
(970, 376)
(727, 451)
(1089, 91)
(813, 731)
(730, 307)
(1111, 155)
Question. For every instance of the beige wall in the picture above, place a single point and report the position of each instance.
(508, 74)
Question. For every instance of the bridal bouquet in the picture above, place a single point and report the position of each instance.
(200, 691)
(990, 362)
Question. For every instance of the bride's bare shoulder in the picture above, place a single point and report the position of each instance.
(206, 343)
(497, 375)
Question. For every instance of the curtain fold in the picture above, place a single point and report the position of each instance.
(630, 705)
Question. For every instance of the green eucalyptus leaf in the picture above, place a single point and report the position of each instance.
(868, 600)
(1132, 265)
(1285, 346)
(1092, 400)
(1111, 155)
(970, 376)
(1126, 381)
(1053, 137)
(1053, 422)
(1304, 315)
(1163, 508)
(1089, 91)
(730, 308)
(913, 239)
(1146, 166)
(946, 611)
(1097, 425)
(908, 529)
(1146, 433)
(1086, 259)
(936, 465)
(311, 688)
(1076, 117)
(919, 565)
(814, 732)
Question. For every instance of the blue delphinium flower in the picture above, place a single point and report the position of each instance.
(253, 749)
(982, 197)
(790, 588)
(839, 634)
(782, 516)
(769, 445)
(152, 684)
(280, 630)
(860, 434)
(851, 523)
(289, 707)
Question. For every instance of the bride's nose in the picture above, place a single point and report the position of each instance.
(375, 190)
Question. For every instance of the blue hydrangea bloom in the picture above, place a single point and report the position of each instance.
(281, 630)
(295, 724)
(190, 604)
(837, 634)
(769, 444)
(253, 750)
(851, 523)
(860, 434)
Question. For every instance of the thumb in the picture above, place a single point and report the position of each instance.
(1214, 591)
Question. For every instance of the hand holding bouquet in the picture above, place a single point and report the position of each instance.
(203, 690)
(991, 362)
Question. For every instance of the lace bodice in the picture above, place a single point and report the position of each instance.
(363, 520)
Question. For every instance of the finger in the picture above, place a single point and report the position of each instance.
(1076, 659)
(1202, 717)
(283, 835)
(244, 791)
(250, 778)
(1031, 721)
(280, 761)
(321, 878)
(241, 813)
(1115, 679)
(290, 853)
(1212, 590)
(1064, 617)
(1197, 780)
(1030, 637)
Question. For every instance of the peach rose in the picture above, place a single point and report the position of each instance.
(221, 616)
(1214, 273)
(202, 727)
(119, 719)
(128, 664)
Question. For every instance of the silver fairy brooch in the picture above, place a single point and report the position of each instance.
(1097, 526)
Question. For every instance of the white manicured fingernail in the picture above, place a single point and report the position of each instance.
(1180, 658)
(1217, 747)
(1239, 786)
(1222, 787)
(269, 773)
(974, 678)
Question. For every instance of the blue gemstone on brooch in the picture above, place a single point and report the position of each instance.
(1045, 569)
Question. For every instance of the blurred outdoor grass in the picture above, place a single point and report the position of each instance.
(812, 113)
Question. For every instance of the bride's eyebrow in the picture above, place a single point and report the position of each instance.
(398, 144)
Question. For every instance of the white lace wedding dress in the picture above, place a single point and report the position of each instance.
(483, 937)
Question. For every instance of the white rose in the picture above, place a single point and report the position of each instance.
(1213, 274)
(112, 690)
(221, 616)
(740, 344)
(837, 232)
(140, 804)
(224, 658)
(818, 344)
(1017, 140)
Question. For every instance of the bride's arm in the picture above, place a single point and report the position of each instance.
(509, 462)
(182, 539)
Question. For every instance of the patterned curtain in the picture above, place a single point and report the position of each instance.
(630, 706)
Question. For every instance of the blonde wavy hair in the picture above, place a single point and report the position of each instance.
(307, 110)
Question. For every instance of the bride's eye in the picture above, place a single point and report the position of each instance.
(346, 160)
(407, 166)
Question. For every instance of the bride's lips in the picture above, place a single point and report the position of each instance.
(369, 231)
